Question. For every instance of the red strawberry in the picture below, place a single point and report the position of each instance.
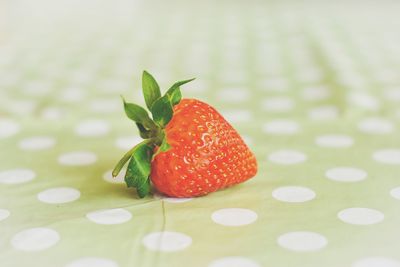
(189, 148)
(206, 153)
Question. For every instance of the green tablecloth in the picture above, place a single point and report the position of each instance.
(313, 87)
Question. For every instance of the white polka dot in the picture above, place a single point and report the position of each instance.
(376, 262)
(9, 78)
(233, 95)
(281, 127)
(109, 216)
(234, 216)
(104, 106)
(127, 142)
(364, 101)
(309, 75)
(278, 104)
(114, 86)
(354, 80)
(387, 76)
(361, 216)
(16, 176)
(166, 241)
(237, 115)
(72, 95)
(79, 76)
(293, 194)
(197, 87)
(234, 262)
(346, 174)
(78, 158)
(35, 239)
(233, 57)
(21, 107)
(375, 125)
(315, 93)
(8, 128)
(287, 157)
(92, 262)
(37, 143)
(397, 113)
(392, 94)
(4, 214)
(119, 179)
(387, 156)
(36, 88)
(302, 241)
(90, 128)
(334, 141)
(59, 195)
(323, 113)
(395, 192)
(52, 113)
(277, 84)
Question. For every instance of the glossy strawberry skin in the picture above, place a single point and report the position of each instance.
(206, 153)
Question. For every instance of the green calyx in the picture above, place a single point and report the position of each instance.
(152, 130)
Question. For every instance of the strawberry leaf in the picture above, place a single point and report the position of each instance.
(174, 92)
(138, 171)
(162, 111)
(144, 188)
(151, 90)
(137, 114)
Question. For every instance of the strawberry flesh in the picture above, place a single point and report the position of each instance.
(206, 154)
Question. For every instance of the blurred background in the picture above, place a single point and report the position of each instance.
(288, 58)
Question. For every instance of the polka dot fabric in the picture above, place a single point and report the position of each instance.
(313, 88)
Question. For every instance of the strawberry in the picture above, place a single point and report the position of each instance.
(189, 149)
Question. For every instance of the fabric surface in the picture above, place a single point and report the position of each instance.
(313, 87)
